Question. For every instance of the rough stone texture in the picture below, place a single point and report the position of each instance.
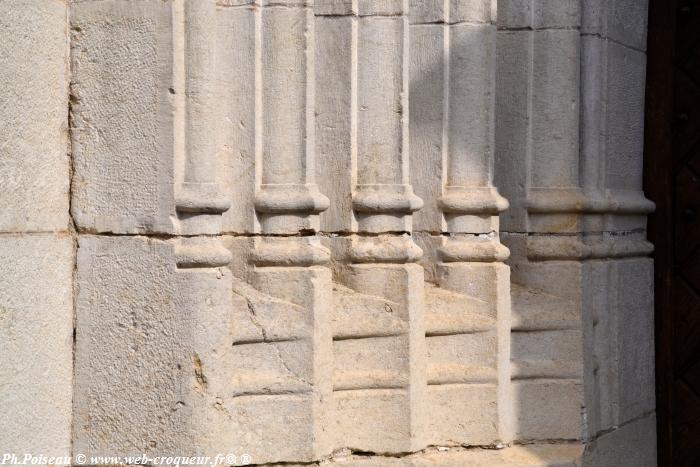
(36, 252)
(148, 334)
(289, 233)
(623, 21)
(36, 328)
(122, 134)
(582, 336)
(631, 444)
(34, 160)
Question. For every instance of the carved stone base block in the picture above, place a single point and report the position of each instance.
(467, 328)
(280, 392)
(152, 336)
(379, 385)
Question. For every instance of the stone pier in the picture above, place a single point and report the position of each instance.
(319, 232)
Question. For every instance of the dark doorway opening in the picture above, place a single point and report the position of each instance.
(672, 181)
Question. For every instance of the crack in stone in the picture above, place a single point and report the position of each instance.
(278, 353)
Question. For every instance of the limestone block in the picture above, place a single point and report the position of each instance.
(535, 309)
(282, 370)
(428, 11)
(336, 44)
(538, 14)
(236, 76)
(554, 112)
(463, 414)
(427, 107)
(334, 7)
(385, 8)
(619, 328)
(547, 354)
(377, 420)
(547, 409)
(152, 358)
(379, 381)
(486, 281)
(454, 11)
(36, 328)
(380, 84)
(625, 101)
(512, 124)
(357, 314)
(472, 11)
(635, 345)
(553, 278)
(467, 327)
(631, 444)
(34, 160)
(144, 159)
(122, 66)
(624, 21)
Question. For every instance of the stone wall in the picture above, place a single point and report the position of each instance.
(275, 231)
(37, 254)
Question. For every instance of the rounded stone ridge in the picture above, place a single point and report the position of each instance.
(289, 251)
(201, 197)
(473, 249)
(550, 201)
(576, 248)
(385, 249)
(575, 201)
(620, 202)
(201, 252)
(386, 199)
(289, 198)
(466, 200)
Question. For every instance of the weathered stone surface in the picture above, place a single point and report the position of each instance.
(236, 57)
(36, 358)
(34, 160)
(289, 233)
(631, 444)
(142, 116)
(122, 133)
(379, 379)
(623, 21)
(568, 157)
(36, 251)
(538, 14)
(148, 334)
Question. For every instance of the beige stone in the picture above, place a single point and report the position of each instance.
(34, 162)
(371, 232)
(36, 328)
